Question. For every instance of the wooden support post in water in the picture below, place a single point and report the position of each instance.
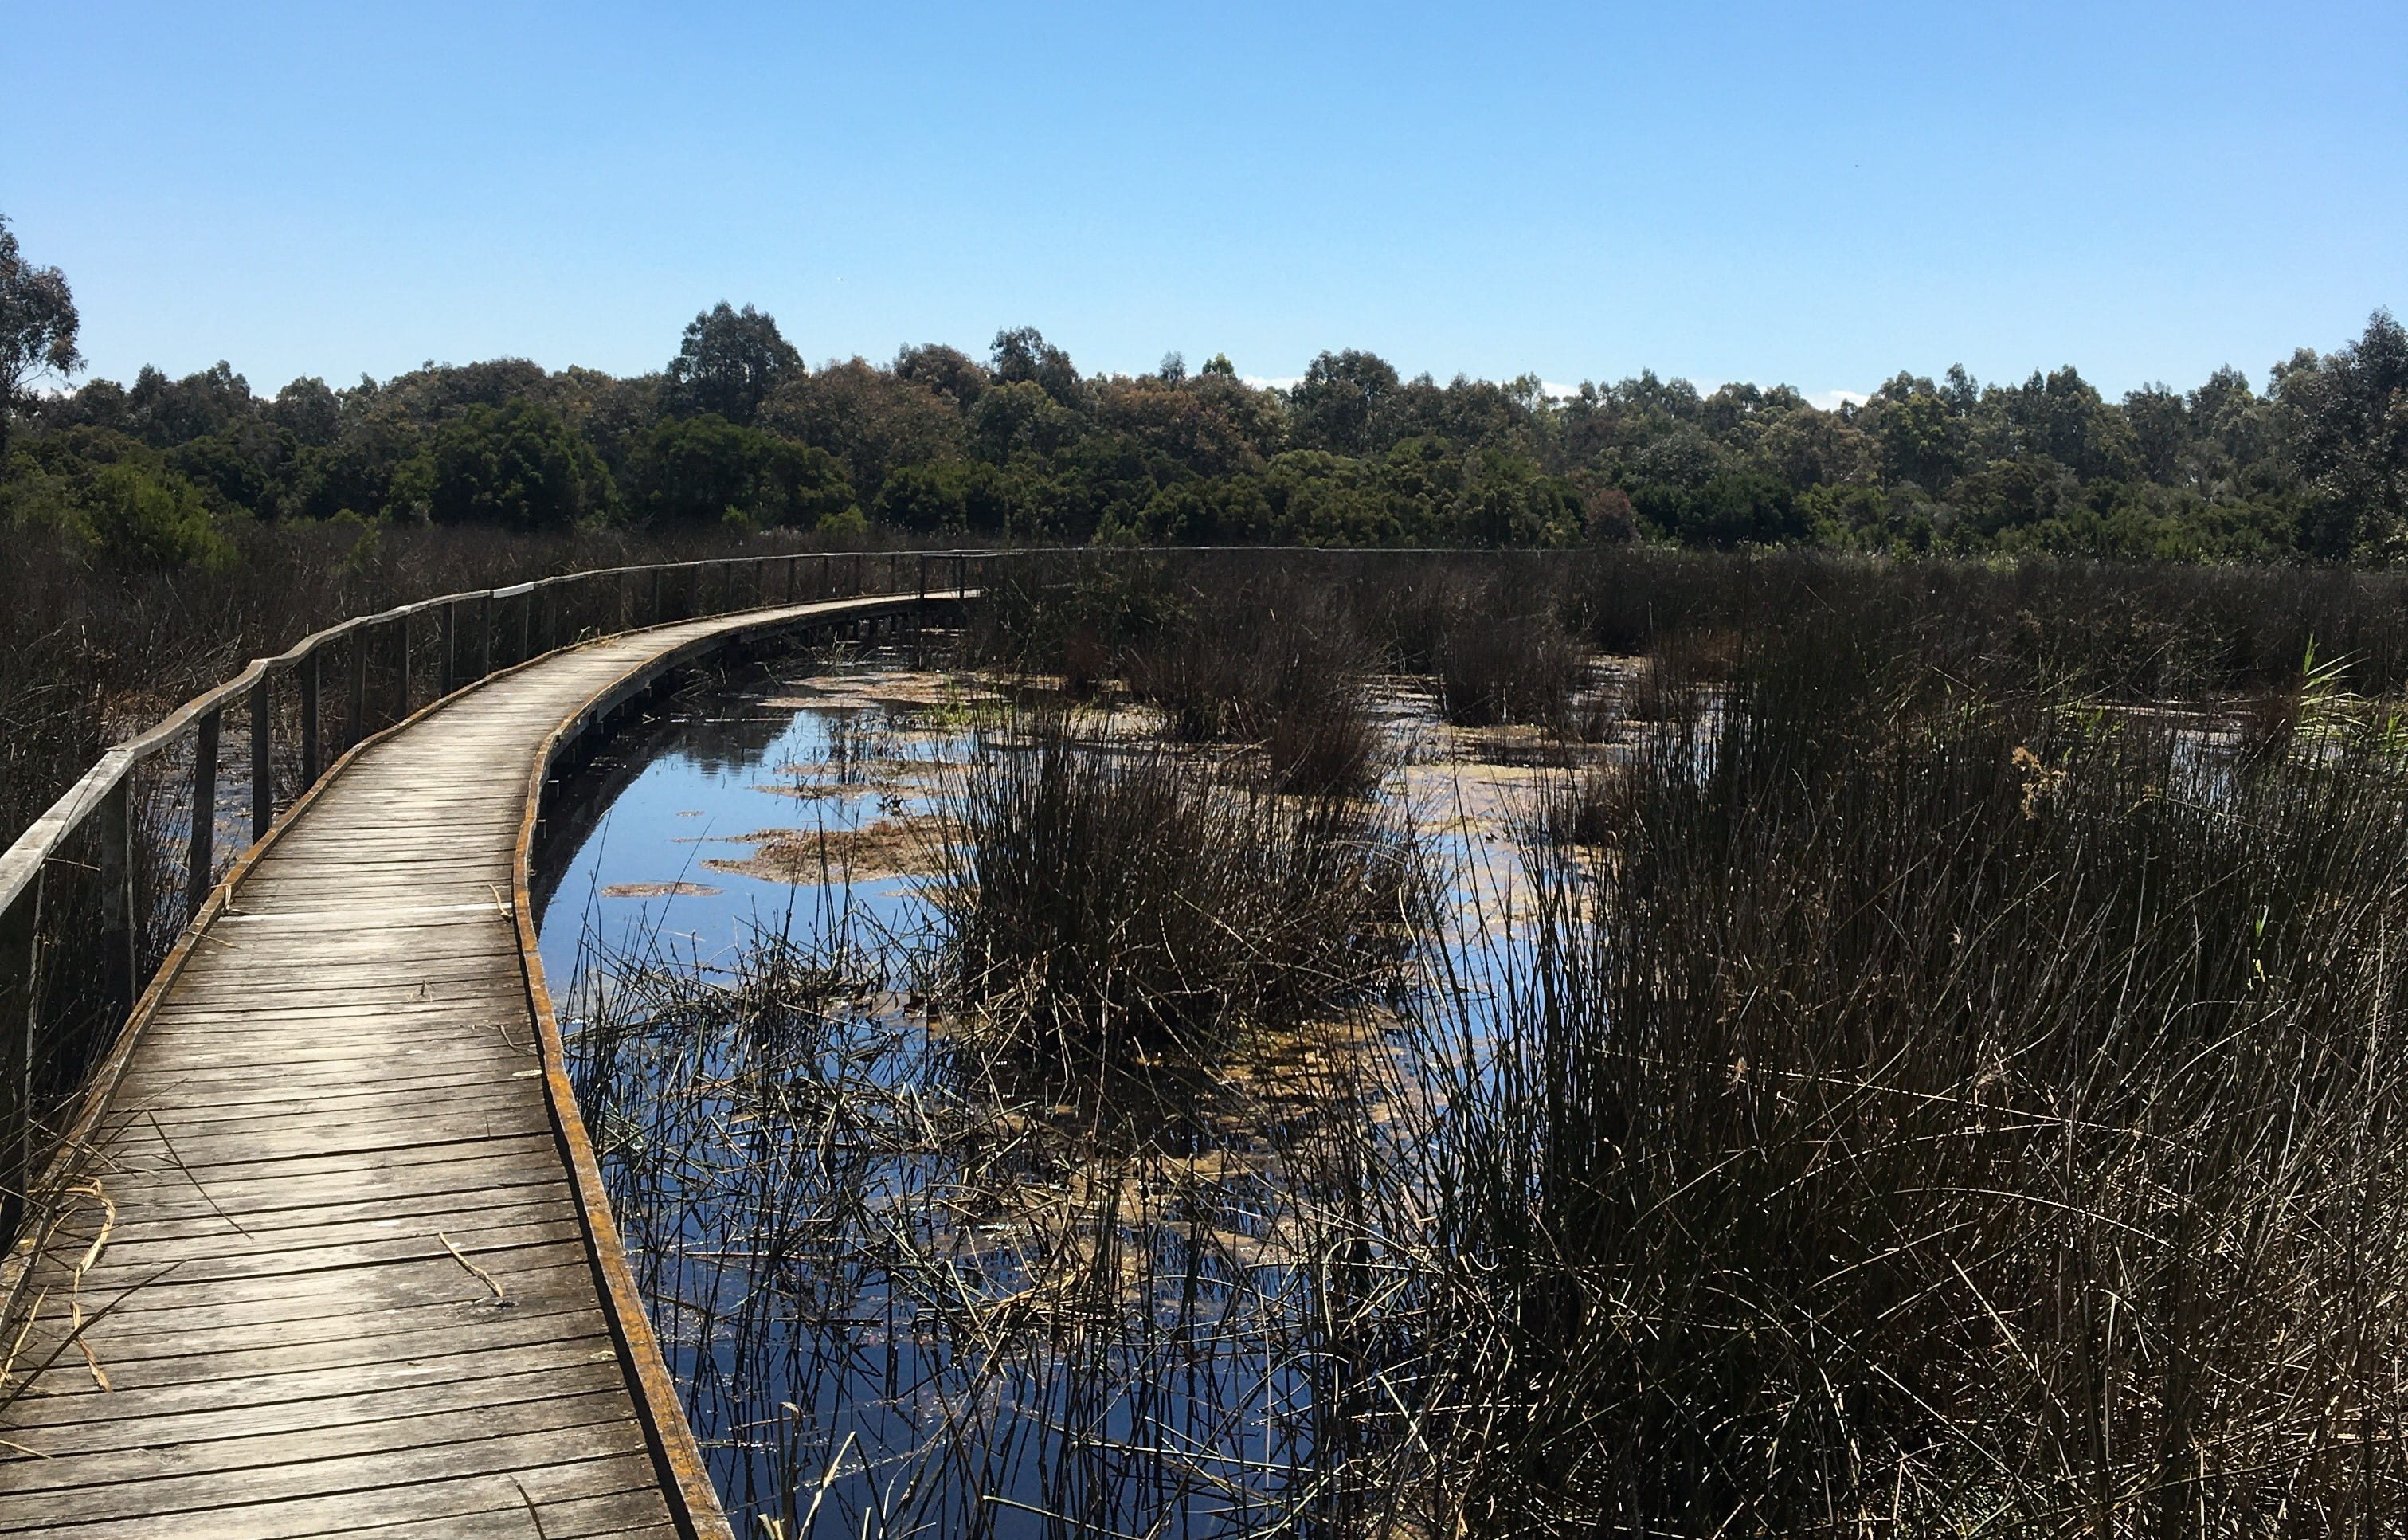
(18, 958)
(202, 854)
(310, 717)
(355, 722)
(263, 767)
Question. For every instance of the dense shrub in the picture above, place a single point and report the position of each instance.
(516, 466)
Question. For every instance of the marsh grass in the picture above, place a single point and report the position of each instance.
(1120, 904)
(1921, 1083)
(1929, 1113)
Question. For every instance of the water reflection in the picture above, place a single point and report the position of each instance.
(908, 1285)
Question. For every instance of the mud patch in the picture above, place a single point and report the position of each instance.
(658, 890)
(891, 848)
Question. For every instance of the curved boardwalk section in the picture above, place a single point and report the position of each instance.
(329, 1254)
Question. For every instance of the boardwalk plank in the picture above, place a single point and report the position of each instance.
(427, 1430)
(284, 1416)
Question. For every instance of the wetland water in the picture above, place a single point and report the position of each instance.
(904, 1288)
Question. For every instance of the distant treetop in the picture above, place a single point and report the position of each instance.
(730, 362)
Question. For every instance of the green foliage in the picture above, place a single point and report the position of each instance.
(38, 327)
(696, 471)
(729, 363)
(143, 519)
(2353, 444)
(1340, 401)
(950, 497)
(876, 421)
(844, 530)
(516, 465)
(1023, 356)
(114, 497)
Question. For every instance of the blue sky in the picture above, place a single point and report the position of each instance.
(1819, 195)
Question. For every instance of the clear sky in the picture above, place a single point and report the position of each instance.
(1818, 194)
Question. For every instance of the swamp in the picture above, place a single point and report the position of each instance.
(1639, 1043)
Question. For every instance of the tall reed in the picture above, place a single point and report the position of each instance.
(1106, 904)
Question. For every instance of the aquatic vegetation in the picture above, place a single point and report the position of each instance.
(1898, 1085)
(1102, 905)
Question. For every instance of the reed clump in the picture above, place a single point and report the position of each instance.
(1275, 664)
(1494, 646)
(1931, 1112)
(1107, 903)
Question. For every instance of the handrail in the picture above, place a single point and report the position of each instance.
(20, 861)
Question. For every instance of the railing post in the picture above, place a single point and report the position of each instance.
(826, 562)
(401, 668)
(450, 647)
(793, 565)
(263, 768)
(656, 598)
(924, 574)
(355, 720)
(202, 853)
(17, 925)
(119, 941)
(310, 747)
(484, 634)
(526, 625)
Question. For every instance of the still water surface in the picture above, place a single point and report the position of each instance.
(826, 1394)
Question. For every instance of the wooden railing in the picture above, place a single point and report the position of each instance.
(93, 894)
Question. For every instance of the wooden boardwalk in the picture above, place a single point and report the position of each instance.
(338, 1264)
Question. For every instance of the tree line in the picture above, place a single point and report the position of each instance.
(1019, 445)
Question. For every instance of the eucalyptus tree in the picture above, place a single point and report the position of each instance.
(38, 327)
